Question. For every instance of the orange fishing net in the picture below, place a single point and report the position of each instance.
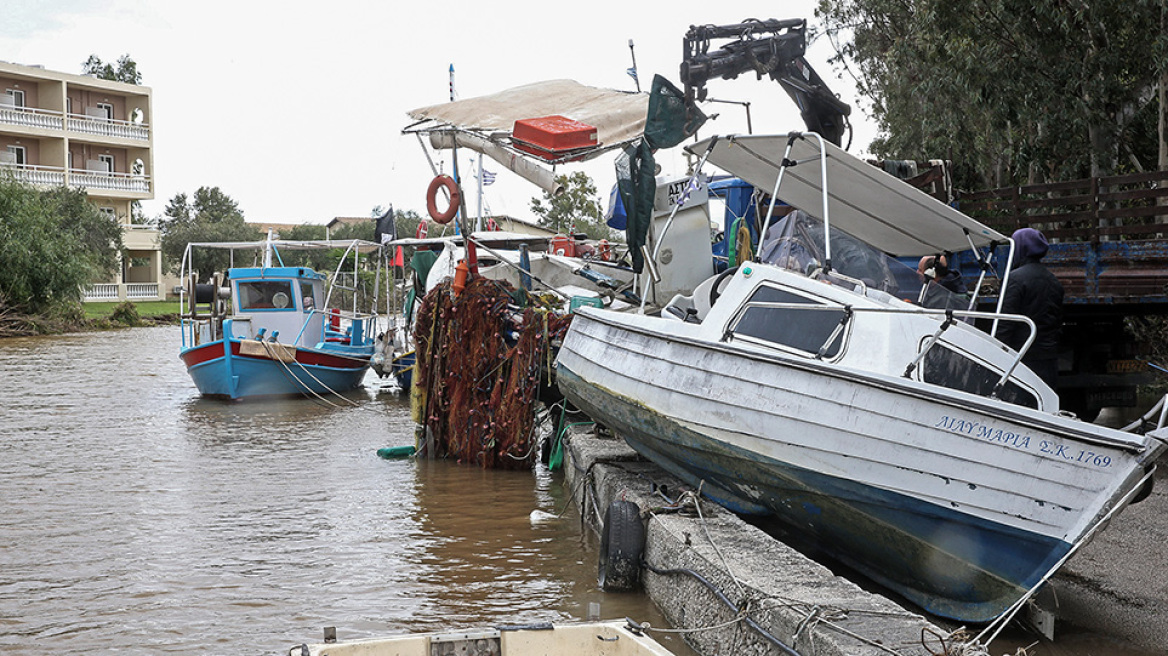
(480, 359)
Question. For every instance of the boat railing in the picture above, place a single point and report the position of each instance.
(949, 318)
(368, 320)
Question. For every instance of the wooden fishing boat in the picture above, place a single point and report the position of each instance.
(913, 445)
(271, 330)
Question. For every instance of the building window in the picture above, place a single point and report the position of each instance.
(15, 155)
(108, 109)
(107, 161)
(14, 97)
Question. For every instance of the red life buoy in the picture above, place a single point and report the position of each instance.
(432, 198)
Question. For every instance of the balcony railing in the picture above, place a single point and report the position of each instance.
(82, 178)
(141, 290)
(129, 291)
(53, 176)
(50, 176)
(106, 291)
(43, 118)
(30, 117)
(108, 127)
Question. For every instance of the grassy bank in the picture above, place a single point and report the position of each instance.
(87, 316)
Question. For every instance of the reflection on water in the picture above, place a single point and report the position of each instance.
(141, 518)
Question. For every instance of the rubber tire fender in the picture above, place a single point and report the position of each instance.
(432, 198)
(622, 546)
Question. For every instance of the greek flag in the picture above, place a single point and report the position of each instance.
(488, 177)
(632, 72)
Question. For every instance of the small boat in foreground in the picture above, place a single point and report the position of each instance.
(608, 638)
(273, 330)
(913, 445)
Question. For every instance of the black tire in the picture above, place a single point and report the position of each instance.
(622, 546)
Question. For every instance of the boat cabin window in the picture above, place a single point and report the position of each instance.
(306, 299)
(948, 368)
(805, 330)
(265, 295)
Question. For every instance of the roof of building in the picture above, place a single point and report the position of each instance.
(348, 220)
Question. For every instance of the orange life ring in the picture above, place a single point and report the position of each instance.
(432, 198)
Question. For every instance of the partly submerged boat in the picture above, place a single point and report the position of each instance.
(273, 330)
(604, 638)
(913, 445)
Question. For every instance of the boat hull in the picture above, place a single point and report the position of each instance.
(237, 369)
(957, 508)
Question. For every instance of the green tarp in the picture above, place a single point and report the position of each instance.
(669, 122)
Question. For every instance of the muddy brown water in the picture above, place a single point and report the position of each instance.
(139, 518)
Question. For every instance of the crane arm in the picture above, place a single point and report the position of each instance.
(773, 47)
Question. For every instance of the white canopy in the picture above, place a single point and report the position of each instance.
(863, 200)
(618, 116)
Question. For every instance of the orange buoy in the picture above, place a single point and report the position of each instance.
(432, 198)
(461, 272)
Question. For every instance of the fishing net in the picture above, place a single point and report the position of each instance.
(480, 362)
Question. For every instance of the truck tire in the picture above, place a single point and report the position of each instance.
(621, 547)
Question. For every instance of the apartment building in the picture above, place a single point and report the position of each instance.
(86, 133)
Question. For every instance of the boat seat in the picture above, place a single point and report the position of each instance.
(695, 307)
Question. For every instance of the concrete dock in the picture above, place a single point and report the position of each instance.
(1114, 593)
(787, 595)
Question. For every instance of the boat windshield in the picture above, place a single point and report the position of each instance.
(795, 242)
(265, 295)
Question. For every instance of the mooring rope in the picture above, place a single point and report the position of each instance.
(298, 381)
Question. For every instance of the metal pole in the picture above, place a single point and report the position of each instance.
(633, 53)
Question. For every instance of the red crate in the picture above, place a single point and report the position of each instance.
(554, 135)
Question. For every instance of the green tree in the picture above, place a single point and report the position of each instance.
(126, 70)
(576, 209)
(209, 216)
(1013, 91)
(52, 244)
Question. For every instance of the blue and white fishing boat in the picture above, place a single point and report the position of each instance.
(274, 330)
(912, 444)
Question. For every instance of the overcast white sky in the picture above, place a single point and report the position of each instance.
(295, 110)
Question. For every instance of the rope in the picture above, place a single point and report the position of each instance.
(298, 381)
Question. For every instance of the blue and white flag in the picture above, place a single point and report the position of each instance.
(632, 72)
(488, 177)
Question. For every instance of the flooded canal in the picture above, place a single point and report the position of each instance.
(141, 519)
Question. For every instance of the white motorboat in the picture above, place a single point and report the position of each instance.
(911, 443)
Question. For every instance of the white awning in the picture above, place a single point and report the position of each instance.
(863, 200)
(618, 116)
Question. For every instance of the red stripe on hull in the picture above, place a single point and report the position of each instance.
(314, 358)
(202, 354)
